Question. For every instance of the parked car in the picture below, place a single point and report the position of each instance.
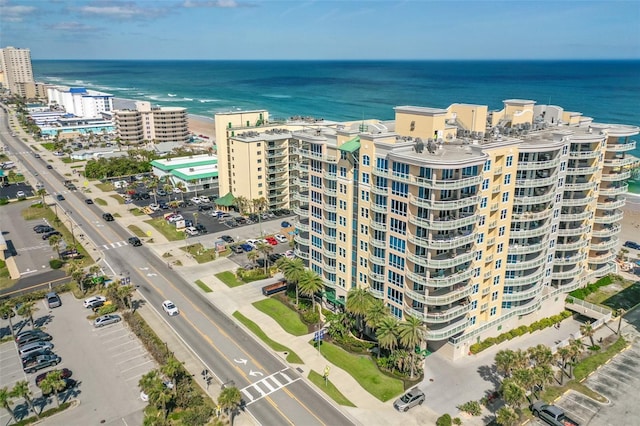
(49, 166)
(23, 335)
(632, 245)
(39, 362)
(280, 238)
(191, 231)
(108, 217)
(175, 218)
(65, 373)
(290, 254)
(201, 228)
(106, 320)
(155, 207)
(273, 257)
(285, 224)
(28, 349)
(195, 200)
(272, 241)
(135, 241)
(89, 303)
(70, 254)
(227, 238)
(203, 207)
(253, 243)
(246, 247)
(161, 193)
(204, 199)
(53, 300)
(170, 308)
(409, 400)
(43, 229)
(48, 235)
(88, 201)
(237, 249)
(20, 194)
(551, 414)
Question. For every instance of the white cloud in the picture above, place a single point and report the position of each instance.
(221, 4)
(14, 13)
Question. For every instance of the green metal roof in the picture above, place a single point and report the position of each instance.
(197, 176)
(226, 200)
(351, 146)
(169, 165)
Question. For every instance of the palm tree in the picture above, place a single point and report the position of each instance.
(5, 401)
(505, 360)
(266, 250)
(54, 241)
(292, 270)
(241, 204)
(162, 397)
(563, 354)
(42, 193)
(173, 369)
(507, 416)
(195, 218)
(387, 333)
(310, 283)
(525, 378)
(375, 313)
(180, 186)
(576, 348)
(6, 310)
(124, 294)
(21, 390)
(412, 333)
(253, 256)
(149, 381)
(588, 331)
(620, 313)
(543, 375)
(512, 393)
(540, 355)
(77, 273)
(358, 302)
(229, 400)
(26, 310)
(53, 383)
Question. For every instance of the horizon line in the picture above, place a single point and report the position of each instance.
(349, 60)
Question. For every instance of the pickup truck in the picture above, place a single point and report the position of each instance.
(270, 289)
(551, 414)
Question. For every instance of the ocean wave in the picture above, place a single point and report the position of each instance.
(204, 101)
(187, 99)
(162, 98)
(171, 95)
(276, 96)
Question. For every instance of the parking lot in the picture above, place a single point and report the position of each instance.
(106, 362)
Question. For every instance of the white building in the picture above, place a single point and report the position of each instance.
(194, 173)
(80, 101)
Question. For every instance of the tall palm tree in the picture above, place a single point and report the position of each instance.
(180, 186)
(148, 381)
(229, 400)
(543, 375)
(5, 400)
(358, 302)
(21, 390)
(26, 310)
(42, 193)
(576, 348)
(266, 250)
(507, 416)
(53, 383)
(512, 393)
(376, 311)
(620, 313)
(563, 354)
(195, 218)
(540, 355)
(173, 369)
(6, 310)
(162, 397)
(310, 283)
(292, 270)
(54, 241)
(253, 256)
(77, 273)
(525, 378)
(412, 333)
(241, 204)
(588, 331)
(387, 333)
(124, 294)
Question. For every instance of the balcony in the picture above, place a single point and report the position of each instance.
(618, 162)
(329, 283)
(497, 171)
(303, 198)
(378, 243)
(525, 279)
(567, 217)
(380, 261)
(574, 245)
(522, 295)
(301, 212)
(538, 165)
(329, 238)
(328, 268)
(301, 254)
(577, 201)
(535, 199)
(300, 240)
(378, 294)
(302, 227)
(529, 233)
(611, 203)
(442, 261)
(527, 248)
(569, 260)
(441, 224)
(446, 296)
(330, 175)
(580, 186)
(521, 265)
(440, 281)
(609, 231)
(496, 189)
(536, 182)
(582, 171)
(563, 275)
(604, 245)
(603, 258)
(443, 184)
(314, 155)
(444, 243)
(378, 208)
(584, 154)
(621, 147)
(614, 190)
(440, 316)
(573, 231)
(615, 177)
(376, 277)
(330, 223)
(451, 330)
(452, 204)
(609, 218)
(331, 208)
(378, 226)
(379, 191)
(329, 191)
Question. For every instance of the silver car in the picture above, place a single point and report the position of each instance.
(409, 400)
(106, 320)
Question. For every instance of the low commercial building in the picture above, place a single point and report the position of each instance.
(193, 173)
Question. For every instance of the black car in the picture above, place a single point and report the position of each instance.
(135, 241)
(273, 257)
(48, 235)
(20, 338)
(260, 262)
(632, 245)
(70, 254)
(65, 373)
(241, 220)
(227, 239)
(88, 201)
(108, 217)
(201, 228)
(60, 197)
(203, 207)
(43, 229)
(49, 166)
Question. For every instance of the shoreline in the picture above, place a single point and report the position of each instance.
(202, 125)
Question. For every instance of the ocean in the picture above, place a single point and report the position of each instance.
(608, 91)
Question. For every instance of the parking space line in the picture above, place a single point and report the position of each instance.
(128, 342)
(137, 376)
(130, 359)
(137, 366)
(574, 400)
(136, 348)
(603, 373)
(106, 330)
(606, 386)
(115, 339)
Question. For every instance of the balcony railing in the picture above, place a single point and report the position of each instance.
(535, 199)
(604, 245)
(529, 233)
(444, 243)
(527, 248)
(618, 162)
(615, 177)
(620, 147)
(607, 232)
(579, 201)
(572, 246)
(614, 190)
(442, 261)
(603, 258)
(538, 165)
(582, 171)
(301, 254)
(441, 281)
(609, 218)
(377, 260)
(303, 227)
(527, 264)
(300, 240)
(452, 204)
(536, 182)
(578, 230)
(566, 217)
(584, 154)
(581, 186)
(563, 275)
(524, 280)
(449, 296)
(522, 295)
(569, 260)
(441, 225)
(611, 204)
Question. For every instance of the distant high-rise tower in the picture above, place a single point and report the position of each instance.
(18, 74)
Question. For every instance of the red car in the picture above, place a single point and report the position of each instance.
(272, 241)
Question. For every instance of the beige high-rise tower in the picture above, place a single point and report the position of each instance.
(17, 71)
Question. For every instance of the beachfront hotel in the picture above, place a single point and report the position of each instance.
(474, 221)
(79, 101)
(151, 124)
(16, 73)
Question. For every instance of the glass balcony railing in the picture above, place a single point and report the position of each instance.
(604, 245)
(574, 245)
(569, 260)
(615, 177)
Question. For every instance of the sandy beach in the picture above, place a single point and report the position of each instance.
(200, 125)
(631, 220)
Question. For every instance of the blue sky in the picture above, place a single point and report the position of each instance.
(373, 29)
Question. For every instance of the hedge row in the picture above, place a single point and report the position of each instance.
(582, 293)
(517, 332)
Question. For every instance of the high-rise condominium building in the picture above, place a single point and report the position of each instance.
(151, 124)
(17, 71)
(472, 220)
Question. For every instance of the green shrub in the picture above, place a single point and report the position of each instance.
(444, 420)
(310, 317)
(471, 407)
(4, 201)
(56, 263)
(107, 309)
(456, 421)
(582, 293)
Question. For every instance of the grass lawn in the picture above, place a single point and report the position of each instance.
(200, 253)
(165, 228)
(292, 357)
(137, 231)
(106, 187)
(136, 212)
(5, 278)
(203, 286)
(365, 371)
(118, 198)
(100, 201)
(584, 367)
(288, 319)
(329, 389)
(229, 278)
(49, 146)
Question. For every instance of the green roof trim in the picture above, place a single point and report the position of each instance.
(166, 166)
(226, 201)
(197, 176)
(351, 146)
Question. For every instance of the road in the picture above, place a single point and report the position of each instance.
(274, 393)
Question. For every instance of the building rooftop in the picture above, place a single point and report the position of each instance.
(168, 164)
(199, 172)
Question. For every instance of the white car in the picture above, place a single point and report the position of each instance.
(290, 254)
(280, 238)
(20, 194)
(177, 191)
(175, 218)
(94, 299)
(170, 308)
(196, 200)
(204, 199)
(253, 243)
(155, 207)
(191, 230)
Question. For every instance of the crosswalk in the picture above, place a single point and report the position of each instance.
(264, 387)
(115, 245)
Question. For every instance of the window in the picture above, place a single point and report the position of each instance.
(493, 311)
(474, 305)
(483, 202)
(487, 165)
(501, 231)
(364, 229)
(364, 195)
(479, 255)
(399, 226)
(507, 179)
(485, 184)
(498, 263)
(505, 197)
(343, 221)
(343, 205)
(397, 244)
(366, 160)
(343, 172)
(496, 280)
(399, 207)
(365, 178)
(363, 213)
(494, 296)
(399, 188)
(509, 160)
(364, 245)
(480, 238)
(503, 214)
(396, 261)
(342, 236)
(475, 288)
(481, 220)
(565, 149)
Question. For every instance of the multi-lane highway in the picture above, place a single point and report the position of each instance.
(273, 391)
